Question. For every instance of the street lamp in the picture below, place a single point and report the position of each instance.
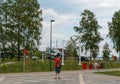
(63, 52)
(24, 65)
(18, 43)
(51, 40)
(0, 53)
(24, 46)
(0, 46)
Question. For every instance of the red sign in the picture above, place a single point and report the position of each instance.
(25, 51)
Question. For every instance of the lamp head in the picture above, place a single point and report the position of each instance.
(52, 20)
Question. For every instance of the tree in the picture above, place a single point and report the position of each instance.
(114, 28)
(106, 52)
(39, 54)
(70, 50)
(47, 52)
(89, 28)
(22, 22)
(75, 54)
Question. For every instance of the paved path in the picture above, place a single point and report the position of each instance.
(67, 77)
(6, 63)
(92, 78)
(39, 78)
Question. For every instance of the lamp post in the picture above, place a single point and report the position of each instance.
(79, 52)
(0, 46)
(51, 40)
(18, 43)
(24, 57)
(42, 56)
(63, 52)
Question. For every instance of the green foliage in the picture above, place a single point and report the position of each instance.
(3, 66)
(39, 54)
(94, 54)
(89, 28)
(106, 52)
(114, 27)
(75, 53)
(20, 22)
(70, 50)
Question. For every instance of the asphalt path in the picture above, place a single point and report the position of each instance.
(39, 78)
(67, 77)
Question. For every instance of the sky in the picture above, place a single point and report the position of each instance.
(66, 14)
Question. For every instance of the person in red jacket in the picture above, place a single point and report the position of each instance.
(57, 61)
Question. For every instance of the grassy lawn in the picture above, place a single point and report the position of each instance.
(113, 73)
(38, 66)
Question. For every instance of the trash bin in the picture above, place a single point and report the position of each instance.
(91, 66)
(84, 66)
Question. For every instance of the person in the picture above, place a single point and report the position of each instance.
(57, 61)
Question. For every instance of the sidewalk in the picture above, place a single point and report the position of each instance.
(67, 77)
(7, 63)
(92, 78)
(4, 64)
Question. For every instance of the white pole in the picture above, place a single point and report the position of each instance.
(63, 56)
(63, 52)
(42, 57)
(79, 53)
(24, 63)
(0, 56)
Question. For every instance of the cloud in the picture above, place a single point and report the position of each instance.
(95, 3)
(67, 15)
(110, 3)
(106, 7)
(62, 28)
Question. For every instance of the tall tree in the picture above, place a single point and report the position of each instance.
(22, 21)
(2, 29)
(70, 50)
(106, 52)
(114, 28)
(89, 28)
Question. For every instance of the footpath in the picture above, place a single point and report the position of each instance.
(92, 78)
(67, 77)
(6, 63)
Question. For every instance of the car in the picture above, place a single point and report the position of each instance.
(83, 58)
(51, 57)
(35, 57)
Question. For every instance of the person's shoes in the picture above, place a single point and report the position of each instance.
(58, 77)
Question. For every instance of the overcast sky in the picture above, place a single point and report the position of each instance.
(66, 14)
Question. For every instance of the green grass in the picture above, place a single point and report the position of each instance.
(38, 66)
(113, 73)
(16, 67)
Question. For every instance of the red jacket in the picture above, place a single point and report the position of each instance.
(57, 62)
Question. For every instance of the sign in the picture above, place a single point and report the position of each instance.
(25, 51)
